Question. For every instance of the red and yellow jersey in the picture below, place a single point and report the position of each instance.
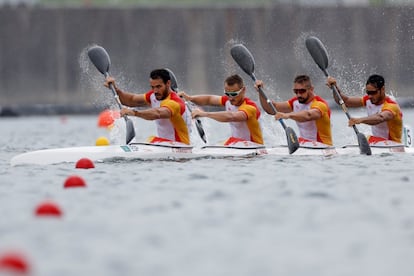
(316, 130)
(391, 129)
(175, 127)
(249, 130)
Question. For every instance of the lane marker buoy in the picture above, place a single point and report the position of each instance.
(14, 262)
(48, 208)
(85, 163)
(74, 181)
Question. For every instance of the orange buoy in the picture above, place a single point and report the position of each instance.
(48, 208)
(74, 181)
(85, 163)
(107, 117)
(14, 262)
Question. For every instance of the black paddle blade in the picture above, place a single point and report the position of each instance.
(130, 130)
(318, 52)
(99, 58)
(363, 144)
(243, 58)
(292, 140)
(200, 130)
(174, 84)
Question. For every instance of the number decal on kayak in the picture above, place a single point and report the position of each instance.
(407, 136)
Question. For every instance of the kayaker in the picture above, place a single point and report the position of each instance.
(384, 113)
(311, 112)
(241, 112)
(167, 109)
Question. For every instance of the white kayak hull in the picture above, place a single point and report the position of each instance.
(146, 151)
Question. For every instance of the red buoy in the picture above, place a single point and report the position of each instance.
(14, 262)
(85, 163)
(48, 208)
(74, 181)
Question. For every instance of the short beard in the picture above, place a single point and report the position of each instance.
(302, 100)
(164, 95)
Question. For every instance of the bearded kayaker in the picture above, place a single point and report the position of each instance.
(168, 110)
(384, 113)
(311, 112)
(241, 112)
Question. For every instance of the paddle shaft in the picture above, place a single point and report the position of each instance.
(269, 102)
(118, 101)
(341, 101)
(198, 124)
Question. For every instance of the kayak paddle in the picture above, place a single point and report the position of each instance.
(101, 60)
(174, 86)
(245, 60)
(319, 54)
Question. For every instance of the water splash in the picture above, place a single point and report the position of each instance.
(273, 133)
(230, 66)
(350, 74)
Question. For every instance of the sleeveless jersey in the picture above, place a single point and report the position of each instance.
(247, 130)
(391, 129)
(315, 130)
(176, 127)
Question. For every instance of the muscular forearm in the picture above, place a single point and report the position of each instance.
(129, 99)
(301, 116)
(149, 114)
(371, 120)
(220, 116)
(201, 99)
(124, 97)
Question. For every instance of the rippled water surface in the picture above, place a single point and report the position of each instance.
(346, 215)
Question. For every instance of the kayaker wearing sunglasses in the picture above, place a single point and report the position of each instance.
(311, 113)
(241, 112)
(384, 113)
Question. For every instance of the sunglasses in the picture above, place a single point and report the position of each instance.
(233, 94)
(300, 91)
(371, 92)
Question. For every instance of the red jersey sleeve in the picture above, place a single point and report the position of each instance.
(148, 96)
(364, 100)
(290, 102)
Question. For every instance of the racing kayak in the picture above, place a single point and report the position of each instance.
(143, 151)
(178, 151)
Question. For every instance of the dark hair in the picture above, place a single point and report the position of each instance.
(376, 80)
(160, 74)
(303, 79)
(234, 79)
